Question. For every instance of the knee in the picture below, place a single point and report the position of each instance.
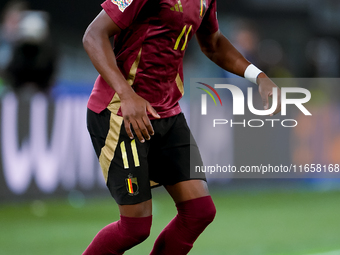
(137, 229)
(194, 216)
(207, 211)
(201, 210)
(210, 212)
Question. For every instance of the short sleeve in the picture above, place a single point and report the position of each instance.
(123, 12)
(209, 24)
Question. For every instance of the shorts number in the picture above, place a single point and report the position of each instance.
(134, 154)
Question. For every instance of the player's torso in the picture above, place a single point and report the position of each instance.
(161, 31)
(150, 52)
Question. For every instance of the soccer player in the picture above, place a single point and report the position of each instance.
(138, 131)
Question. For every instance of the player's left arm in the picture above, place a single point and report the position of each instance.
(219, 50)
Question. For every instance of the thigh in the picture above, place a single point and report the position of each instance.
(143, 209)
(187, 190)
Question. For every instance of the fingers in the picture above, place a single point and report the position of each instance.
(278, 108)
(127, 125)
(140, 131)
(142, 128)
(153, 112)
(134, 111)
(266, 91)
(148, 126)
(265, 100)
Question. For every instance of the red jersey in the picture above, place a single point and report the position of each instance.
(150, 49)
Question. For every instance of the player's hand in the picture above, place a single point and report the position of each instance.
(266, 86)
(134, 110)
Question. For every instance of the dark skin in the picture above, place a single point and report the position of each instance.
(135, 109)
(219, 50)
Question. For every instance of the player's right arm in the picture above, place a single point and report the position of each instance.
(219, 50)
(134, 108)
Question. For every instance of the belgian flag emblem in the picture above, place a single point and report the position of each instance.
(203, 8)
(132, 185)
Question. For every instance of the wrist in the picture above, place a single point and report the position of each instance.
(126, 93)
(260, 78)
(252, 73)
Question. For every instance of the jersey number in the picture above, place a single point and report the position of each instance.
(184, 31)
(134, 154)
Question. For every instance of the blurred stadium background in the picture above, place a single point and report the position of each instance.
(52, 196)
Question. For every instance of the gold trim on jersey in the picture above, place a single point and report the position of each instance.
(179, 83)
(133, 70)
(114, 105)
(108, 151)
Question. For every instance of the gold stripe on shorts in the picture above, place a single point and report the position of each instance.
(108, 151)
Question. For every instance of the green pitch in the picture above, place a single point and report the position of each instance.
(246, 223)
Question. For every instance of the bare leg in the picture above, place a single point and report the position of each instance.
(143, 209)
(188, 190)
